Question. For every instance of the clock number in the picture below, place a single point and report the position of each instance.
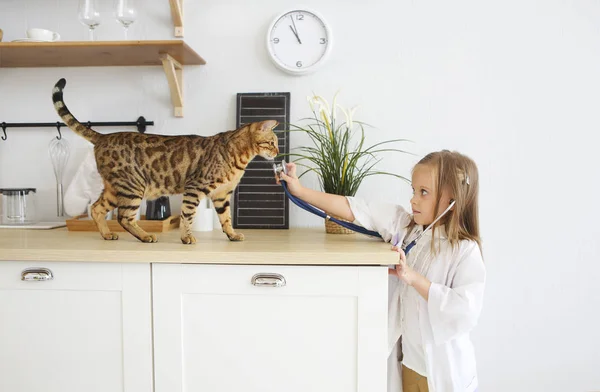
(323, 41)
(299, 17)
(299, 64)
(276, 40)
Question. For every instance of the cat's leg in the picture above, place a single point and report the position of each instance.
(128, 207)
(191, 200)
(221, 202)
(105, 203)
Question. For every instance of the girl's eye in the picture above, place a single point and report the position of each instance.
(424, 192)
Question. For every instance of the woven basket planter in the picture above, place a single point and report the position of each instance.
(334, 228)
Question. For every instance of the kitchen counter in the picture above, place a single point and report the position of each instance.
(135, 317)
(283, 247)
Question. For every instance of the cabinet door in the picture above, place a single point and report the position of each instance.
(86, 329)
(217, 330)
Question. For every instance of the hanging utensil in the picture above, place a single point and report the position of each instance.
(58, 149)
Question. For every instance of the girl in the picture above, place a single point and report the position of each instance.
(437, 298)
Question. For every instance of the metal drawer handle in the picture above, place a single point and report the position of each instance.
(36, 274)
(268, 280)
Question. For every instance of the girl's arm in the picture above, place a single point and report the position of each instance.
(332, 204)
(422, 285)
(409, 276)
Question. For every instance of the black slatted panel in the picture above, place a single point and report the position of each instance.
(259, 203)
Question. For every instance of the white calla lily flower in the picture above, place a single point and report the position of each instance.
(350, 116)
(334, 106)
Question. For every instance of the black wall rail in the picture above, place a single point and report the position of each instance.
(140, 124)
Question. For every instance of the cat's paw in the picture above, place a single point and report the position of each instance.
(188, 240)
(149, 238)
(110, 236)
(236, 237)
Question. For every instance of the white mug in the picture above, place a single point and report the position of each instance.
(43, 35)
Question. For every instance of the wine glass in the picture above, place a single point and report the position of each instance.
(125, 13)
(89, 15)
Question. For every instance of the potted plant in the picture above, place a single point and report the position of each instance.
(338, 156)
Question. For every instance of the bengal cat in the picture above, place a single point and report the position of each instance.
(135, 166)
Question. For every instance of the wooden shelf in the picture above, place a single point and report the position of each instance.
(171, 55)
(94, 53)
(177, 15)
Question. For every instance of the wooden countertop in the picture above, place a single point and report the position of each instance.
(294, 247)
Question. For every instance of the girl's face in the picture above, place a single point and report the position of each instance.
(424, 184)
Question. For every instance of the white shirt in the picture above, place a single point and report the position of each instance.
(413, 352)
(457, 276)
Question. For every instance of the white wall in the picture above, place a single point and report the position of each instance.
(513, 84)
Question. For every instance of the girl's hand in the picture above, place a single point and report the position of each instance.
(291, 179)
(402, 270)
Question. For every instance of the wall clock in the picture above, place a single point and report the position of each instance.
(299, 41)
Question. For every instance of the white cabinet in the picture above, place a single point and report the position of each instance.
(87, 329)
(215, 330)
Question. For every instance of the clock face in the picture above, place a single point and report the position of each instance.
(299, 41)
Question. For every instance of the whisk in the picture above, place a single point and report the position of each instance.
(58, 149)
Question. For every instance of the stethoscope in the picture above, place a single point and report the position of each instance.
(411, 244)
(279, 167)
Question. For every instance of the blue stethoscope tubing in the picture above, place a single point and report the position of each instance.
(349, 225)
(308, 207)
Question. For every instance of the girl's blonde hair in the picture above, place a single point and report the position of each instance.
(459, 175)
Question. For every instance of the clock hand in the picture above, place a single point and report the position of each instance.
(295, 28)
(294, 31)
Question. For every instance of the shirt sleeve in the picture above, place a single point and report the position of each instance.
(384, 218)
(455, 310)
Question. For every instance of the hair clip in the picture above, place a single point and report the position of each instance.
(464, 177)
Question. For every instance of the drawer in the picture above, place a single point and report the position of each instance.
(65, 276)
(293, 280)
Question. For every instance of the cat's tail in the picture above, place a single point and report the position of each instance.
(68, 118)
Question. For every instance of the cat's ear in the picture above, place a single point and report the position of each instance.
(268, 125)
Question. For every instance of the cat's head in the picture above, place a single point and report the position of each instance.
(264, 139)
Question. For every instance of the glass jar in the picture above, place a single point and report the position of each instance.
(18, 206)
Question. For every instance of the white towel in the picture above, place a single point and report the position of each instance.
(85, 188)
